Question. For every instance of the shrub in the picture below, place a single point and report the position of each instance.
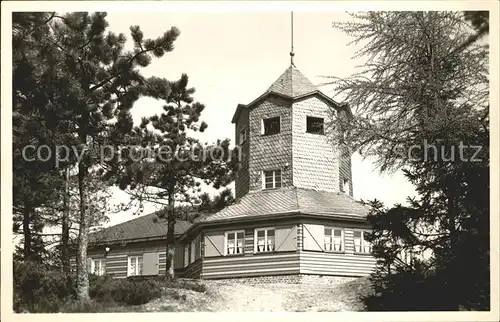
(75, 306)
(124, 291)
(193, 286)
(40, 290)
(37, 289)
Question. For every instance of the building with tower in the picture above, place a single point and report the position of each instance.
(294, 215)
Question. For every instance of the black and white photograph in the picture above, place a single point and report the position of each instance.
(273, 157)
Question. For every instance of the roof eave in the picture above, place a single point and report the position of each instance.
(240, 107)
(323, 95)
(129, 240)
(236, 114)
(283, 215)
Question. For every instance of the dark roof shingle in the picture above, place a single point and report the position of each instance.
(147, 226)
(292, 200)
(292, 83)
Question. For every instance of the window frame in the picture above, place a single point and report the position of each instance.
(186, 254)
(346, 182)
(274, 179)
(92, 266)
(266, 239)
(263, 125)
(129, 260)
(332, 238)
(322, 126)
(192, 248)
(244, 131)
(363, 241)
(235, 241)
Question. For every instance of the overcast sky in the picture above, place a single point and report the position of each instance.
(234, 57)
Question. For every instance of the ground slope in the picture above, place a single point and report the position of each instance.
(235, 297)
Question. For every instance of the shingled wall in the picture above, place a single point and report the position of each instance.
(315, 158)
(270, 152)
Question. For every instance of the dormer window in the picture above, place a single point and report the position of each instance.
(271, 179)
(271, 126)
(243, 135)
(315, 125)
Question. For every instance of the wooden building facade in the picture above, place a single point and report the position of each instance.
(294, 212)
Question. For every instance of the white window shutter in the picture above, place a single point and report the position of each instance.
(193, 251)
(186, 256)
(285, 239)
(262, 126)
(314, 236)
(150, 264)
(214, 245)
(89, 265)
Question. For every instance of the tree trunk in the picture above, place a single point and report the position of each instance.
(82, 276)
(169, 269)
(27, 252)
(453, 271)
(65, 226)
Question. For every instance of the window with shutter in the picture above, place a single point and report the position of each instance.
(98, 267)
(361, 245)
(334, 239)
(134, 266)
(265, 240)
(234, 243)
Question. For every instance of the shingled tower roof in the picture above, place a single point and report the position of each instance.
(292, 83)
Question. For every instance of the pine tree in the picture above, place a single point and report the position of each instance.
(89, 89)
(35, 182)
(171, 167)
(421, 95)
(413, 82)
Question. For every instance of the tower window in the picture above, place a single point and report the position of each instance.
(271, 179)
(243, 135)
(271, 126)
(346, 187)
(315, 125)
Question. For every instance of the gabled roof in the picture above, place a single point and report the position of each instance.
(292, 84)
(293, 201)
(142, 228)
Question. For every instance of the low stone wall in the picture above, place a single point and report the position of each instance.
(292, 279)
